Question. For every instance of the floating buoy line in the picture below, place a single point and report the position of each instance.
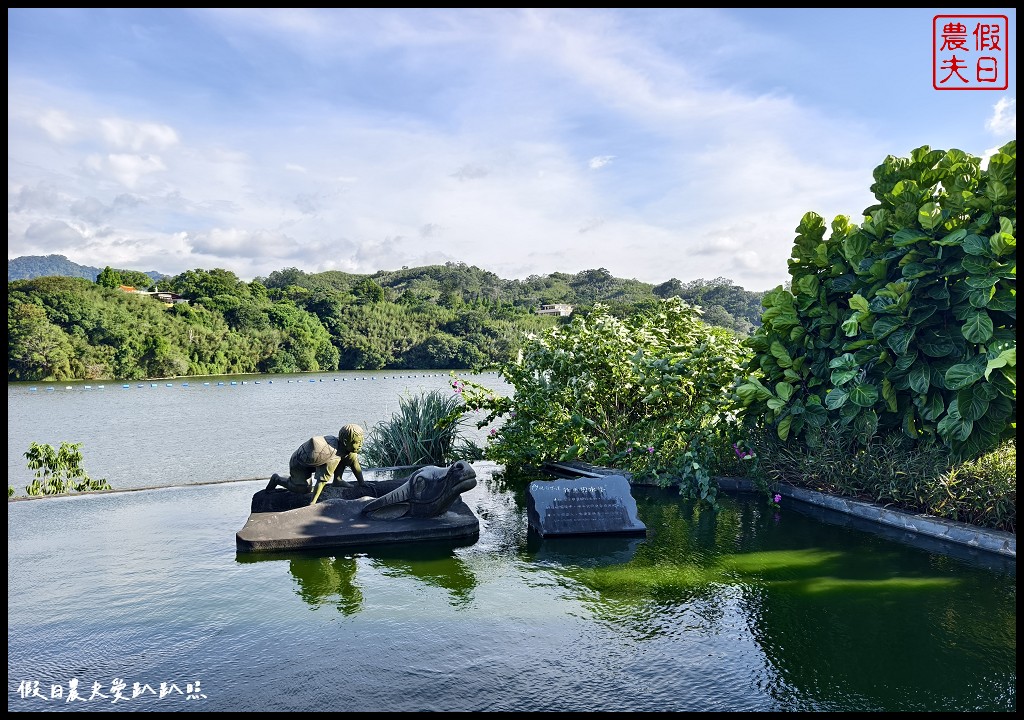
(231, 383)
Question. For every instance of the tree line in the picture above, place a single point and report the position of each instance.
(440, 316)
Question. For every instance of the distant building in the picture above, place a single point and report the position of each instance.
(559, 309)
(167, 298)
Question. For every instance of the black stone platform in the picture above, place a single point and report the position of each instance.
(282, 520)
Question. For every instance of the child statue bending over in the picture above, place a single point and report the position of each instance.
(323, 458)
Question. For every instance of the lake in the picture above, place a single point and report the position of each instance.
(139, 601)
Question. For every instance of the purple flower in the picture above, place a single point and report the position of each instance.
(650, 449)
(494, 431)
(629, 450)
(778, 498)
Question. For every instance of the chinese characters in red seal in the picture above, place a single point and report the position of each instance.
(970, 52)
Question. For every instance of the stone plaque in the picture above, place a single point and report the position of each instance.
(583, 506)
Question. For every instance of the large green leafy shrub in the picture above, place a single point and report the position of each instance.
(648, 393)
(906, 322)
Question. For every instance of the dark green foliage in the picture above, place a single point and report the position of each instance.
(108, 278)
(451, 316)
(894, 471)
(905, 323)
(648, 394)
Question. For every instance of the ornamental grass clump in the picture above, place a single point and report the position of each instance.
(426, 430)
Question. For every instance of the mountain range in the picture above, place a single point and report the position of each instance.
(33, 266)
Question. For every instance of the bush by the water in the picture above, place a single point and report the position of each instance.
(426, 430)
(891, 471)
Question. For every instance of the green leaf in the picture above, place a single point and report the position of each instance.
(977, 327)
(910, 424)
(920, 378)
(977, 245)
(889, 395)
(906, 361)
(996, 191)
(1006, 358)
(936, 343)
(900, 340)
(784, 390)
(908, 236)
(864, 395)
(916, 270)
(835, 398)
(953, 238)
(929, 216)
(954, 428)
(976, 265)
(851, 326)
(815, 415)
(933, 406)
(841, 377)
(776, 404)
(885, 325)
(780, 355)
(858, 303)
(570, 454)
(784, 425)
(1003, 243)
(963, 374)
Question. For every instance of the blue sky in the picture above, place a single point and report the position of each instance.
(654, 143)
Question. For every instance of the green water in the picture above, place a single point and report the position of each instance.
(751, 609)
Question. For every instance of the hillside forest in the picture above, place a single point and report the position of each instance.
(451, 316)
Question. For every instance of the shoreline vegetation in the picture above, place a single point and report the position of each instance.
(884, 368)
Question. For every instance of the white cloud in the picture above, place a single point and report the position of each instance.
(124, 134)
(126, 168)
(57, 125)
(366, 140)
(1004, 117)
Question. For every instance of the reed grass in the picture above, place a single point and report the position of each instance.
(426, 430)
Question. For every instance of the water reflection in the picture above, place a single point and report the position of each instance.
(323, 580)
(588, 552)
(329, 577)
(435, 564)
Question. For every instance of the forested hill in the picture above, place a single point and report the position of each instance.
(33, 266)
(724, 303)
(209, 322)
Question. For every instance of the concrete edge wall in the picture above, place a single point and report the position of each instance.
(997, 542)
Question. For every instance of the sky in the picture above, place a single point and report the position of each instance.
(653, 143)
